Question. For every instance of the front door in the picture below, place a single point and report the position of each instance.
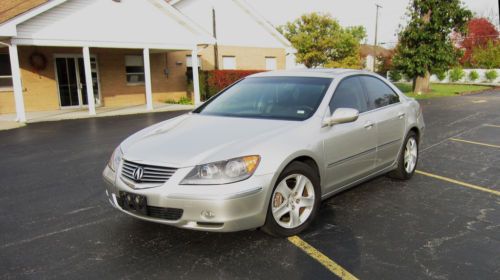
(72, 83)
(350, 148)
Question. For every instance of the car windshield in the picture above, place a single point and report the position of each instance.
(286, 98)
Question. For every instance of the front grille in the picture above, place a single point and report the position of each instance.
(152, 174)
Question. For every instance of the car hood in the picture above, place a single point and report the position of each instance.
(193, 139)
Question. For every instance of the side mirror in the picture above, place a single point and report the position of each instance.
(341, 115)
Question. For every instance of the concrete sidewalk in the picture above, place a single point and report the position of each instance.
(7, 121)
(6, 125)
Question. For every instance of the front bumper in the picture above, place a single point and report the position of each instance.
(232, 207)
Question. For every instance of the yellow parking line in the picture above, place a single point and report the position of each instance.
(459, 182)
(321, 258)
(492, 125)
(477, 143)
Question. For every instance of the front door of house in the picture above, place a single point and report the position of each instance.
(72, 83)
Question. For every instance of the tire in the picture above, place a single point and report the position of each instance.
(403, 172)
(301, 207)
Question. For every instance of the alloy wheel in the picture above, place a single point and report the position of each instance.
(293, 201)
(410, 155)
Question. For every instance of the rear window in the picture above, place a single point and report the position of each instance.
(379, 93)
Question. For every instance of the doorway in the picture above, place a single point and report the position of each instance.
(71, 82)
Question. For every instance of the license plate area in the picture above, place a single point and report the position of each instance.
(135, 203)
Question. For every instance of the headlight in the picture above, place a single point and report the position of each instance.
(115, 159)
(222, 172)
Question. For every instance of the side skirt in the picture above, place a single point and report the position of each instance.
(359, 181)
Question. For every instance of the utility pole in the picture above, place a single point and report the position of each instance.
(216, 48)
(376, 34)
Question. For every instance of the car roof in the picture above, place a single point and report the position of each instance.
(316, 72)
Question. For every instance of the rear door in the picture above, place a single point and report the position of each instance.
(350, 148)
(388, 115)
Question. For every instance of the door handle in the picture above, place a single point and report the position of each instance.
(401, 115)
(368, 125)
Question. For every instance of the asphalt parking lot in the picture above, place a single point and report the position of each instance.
(443, 224)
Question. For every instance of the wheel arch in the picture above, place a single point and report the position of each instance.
(304, 157)
(417, 132)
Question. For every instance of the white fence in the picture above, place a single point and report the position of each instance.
(480, 80)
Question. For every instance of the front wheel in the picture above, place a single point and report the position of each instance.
(294, 201)
(408, 158)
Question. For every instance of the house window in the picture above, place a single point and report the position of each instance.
(271, 63)
(5, 72)
(229, 62)
(134, 67)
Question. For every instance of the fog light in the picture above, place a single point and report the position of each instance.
(207, 214)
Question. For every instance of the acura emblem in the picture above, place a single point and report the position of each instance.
(138, 173)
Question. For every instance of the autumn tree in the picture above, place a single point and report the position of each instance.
(320, 41)
(480, 31)
(425, 44)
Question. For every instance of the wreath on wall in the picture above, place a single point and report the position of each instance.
(38, 61)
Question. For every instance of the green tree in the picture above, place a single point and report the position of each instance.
(425, 45)
(321, 41)
(395, 76)
(487, 57)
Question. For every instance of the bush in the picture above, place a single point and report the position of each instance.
(183, 100)
(220, 79)
(487, 57)
(395, 76)
(441, 76)
(213, 81)
(473, 75)
(491, 75)
(456, 74)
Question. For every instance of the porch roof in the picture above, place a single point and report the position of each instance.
(109, 24)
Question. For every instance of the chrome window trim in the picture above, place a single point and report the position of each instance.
(364, 91)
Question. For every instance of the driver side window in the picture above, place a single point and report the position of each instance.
(349, 94)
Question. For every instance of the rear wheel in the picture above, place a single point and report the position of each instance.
(408, 158)
(294, 201)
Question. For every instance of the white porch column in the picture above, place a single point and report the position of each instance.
(16, 82)
(88, 80)
(196, 81)
(147, 80)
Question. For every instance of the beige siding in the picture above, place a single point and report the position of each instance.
(247, 58)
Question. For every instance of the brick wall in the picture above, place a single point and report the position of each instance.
(40, 87)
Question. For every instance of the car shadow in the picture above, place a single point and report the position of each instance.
(236, 254)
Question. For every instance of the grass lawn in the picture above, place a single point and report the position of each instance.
(440, 90)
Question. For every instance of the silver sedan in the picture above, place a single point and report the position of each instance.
(265, 152)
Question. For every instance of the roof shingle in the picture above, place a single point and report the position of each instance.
(12, 8)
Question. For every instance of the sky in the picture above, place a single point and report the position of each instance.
(358, 12)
